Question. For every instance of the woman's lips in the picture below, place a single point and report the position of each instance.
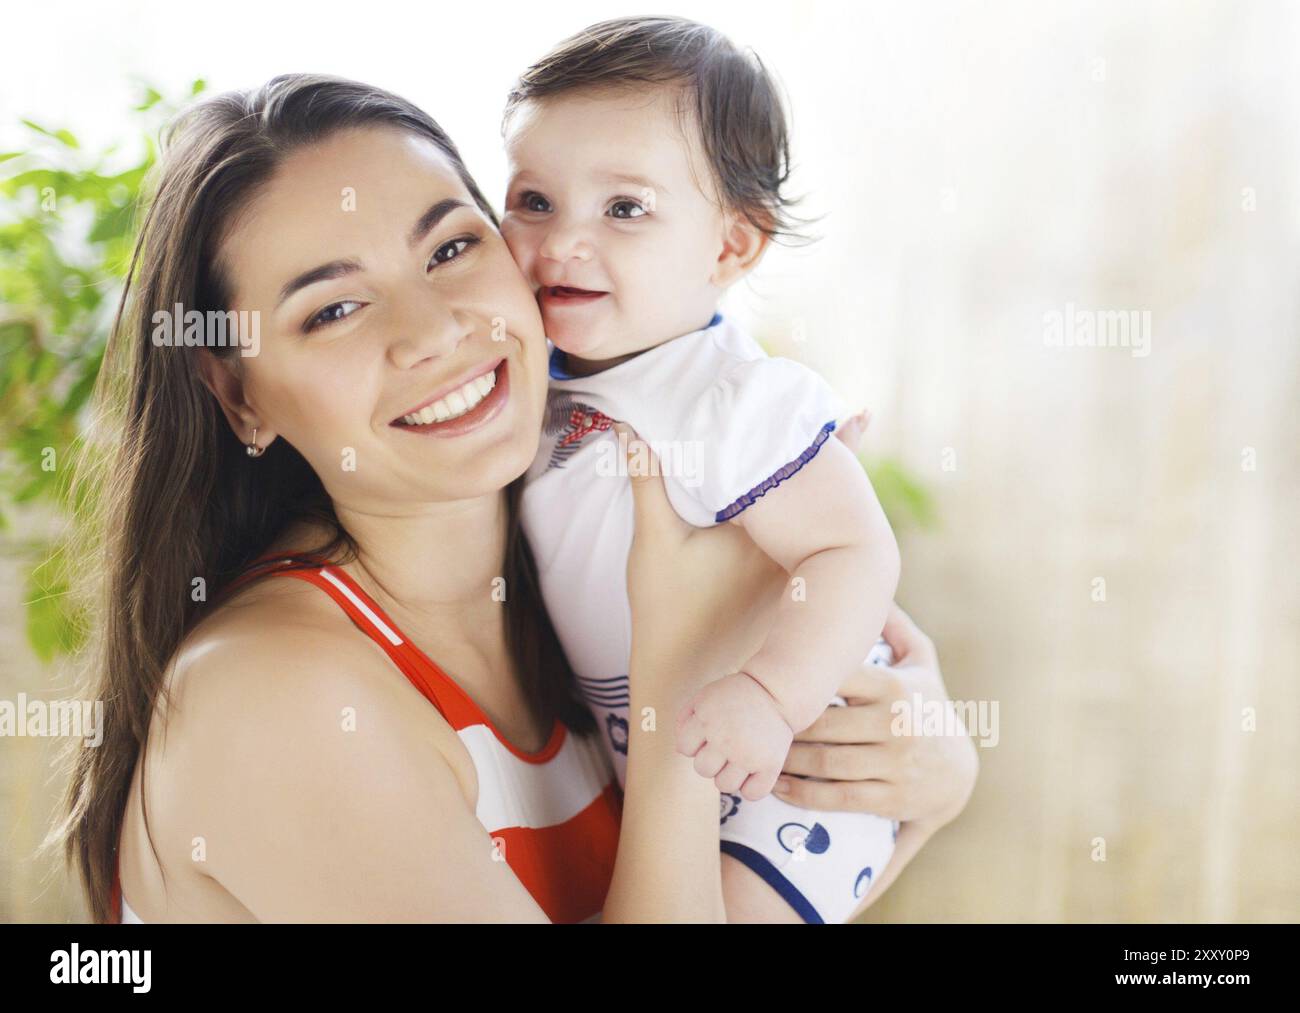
(479, 415)
(468, 379)
(563, 295)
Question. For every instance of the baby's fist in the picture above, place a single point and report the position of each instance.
(737, 735)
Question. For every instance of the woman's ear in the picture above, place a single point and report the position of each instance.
(743, 246)
(222, 377)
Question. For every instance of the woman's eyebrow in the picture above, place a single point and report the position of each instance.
(338, 268)
(326, 272)
(430, 219)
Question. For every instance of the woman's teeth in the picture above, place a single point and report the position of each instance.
(455, 404)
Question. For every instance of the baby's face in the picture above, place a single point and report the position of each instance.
(608, 215)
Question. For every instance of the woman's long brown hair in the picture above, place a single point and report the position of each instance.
(176, 496)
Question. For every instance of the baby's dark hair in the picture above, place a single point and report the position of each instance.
(737, 104)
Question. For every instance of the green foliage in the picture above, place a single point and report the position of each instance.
(53, 624)
(905, 499)
(67, 225)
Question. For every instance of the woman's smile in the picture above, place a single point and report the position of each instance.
(462, 409)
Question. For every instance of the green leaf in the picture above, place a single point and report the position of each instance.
(33, 488)
(113, 223)
(19, 363)
(45, 369)
(63, 136)
(15, 334)
(81, 389)
(37, 179)
(52, 627)
(151, 98)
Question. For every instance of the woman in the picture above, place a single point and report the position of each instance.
(290, 774)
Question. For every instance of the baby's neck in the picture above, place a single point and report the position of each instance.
(575, 366)
(589, 367)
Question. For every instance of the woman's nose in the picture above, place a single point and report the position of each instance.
(428, 329)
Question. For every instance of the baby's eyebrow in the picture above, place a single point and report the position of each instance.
(526, 178)
(633, 180)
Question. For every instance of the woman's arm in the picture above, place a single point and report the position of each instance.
(668, 844)
(319, 781)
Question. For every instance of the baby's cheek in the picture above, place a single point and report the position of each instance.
(518, 246)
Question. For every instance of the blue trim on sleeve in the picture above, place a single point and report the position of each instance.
(771, 875)
(772, 481)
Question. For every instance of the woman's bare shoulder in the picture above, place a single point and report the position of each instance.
(269, 634)
(308, 764)
(280, 671)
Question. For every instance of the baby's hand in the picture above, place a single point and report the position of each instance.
(737, 735)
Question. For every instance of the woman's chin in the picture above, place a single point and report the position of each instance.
(482, 475)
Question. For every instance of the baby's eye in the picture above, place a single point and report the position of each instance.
(535, 202)
(627, 209)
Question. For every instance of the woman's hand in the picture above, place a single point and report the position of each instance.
(682, 581)
(865, 766)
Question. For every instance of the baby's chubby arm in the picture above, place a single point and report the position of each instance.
(825, 527)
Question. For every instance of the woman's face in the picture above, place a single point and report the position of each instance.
(401, 350)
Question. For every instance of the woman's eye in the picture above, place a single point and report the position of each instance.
(627, 209)
(452, 249)
(535, 202)
(332, 314)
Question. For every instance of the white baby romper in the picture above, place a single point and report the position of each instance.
(728, 423)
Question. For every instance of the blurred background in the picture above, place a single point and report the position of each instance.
(1100, 539)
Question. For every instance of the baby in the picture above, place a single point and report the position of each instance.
(646, 160)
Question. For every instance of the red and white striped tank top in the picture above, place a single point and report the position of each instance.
(555, 812)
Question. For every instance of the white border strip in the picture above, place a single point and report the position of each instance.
(366, 610)
(515, 793)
